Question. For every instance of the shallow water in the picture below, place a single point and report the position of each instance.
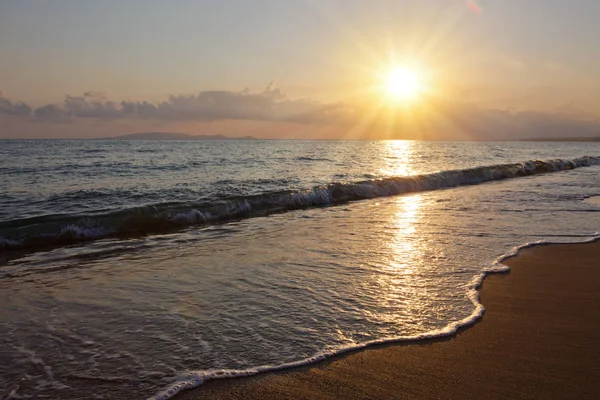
(130, 316)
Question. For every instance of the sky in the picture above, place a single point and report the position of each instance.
(489, 69)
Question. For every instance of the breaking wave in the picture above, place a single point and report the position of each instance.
(30, 233)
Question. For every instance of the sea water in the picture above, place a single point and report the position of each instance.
(133, 269)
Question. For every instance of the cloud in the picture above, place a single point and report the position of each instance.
(91, 105)
(51, 112)
(269, 105)
(9, 108)
(443, 118)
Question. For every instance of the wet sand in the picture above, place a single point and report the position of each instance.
(593, 200)
(539, 339)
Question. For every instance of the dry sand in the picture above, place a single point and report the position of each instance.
(539, 339)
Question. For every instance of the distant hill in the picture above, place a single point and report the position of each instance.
(172, 136)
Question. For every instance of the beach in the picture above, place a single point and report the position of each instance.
(299, 200)
(224, 259)
(538, 339)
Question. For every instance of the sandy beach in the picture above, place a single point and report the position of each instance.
(537, 340)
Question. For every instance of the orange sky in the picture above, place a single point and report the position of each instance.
(495, 69)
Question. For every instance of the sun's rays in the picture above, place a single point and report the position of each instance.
(400, 77)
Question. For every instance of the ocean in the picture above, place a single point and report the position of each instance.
(135, 269)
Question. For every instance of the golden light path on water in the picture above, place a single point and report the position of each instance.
(396, 254)
(400, 279)
(399, 250)
(398, 158)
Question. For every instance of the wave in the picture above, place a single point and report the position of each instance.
(31, 233)
(313, 159)
(194, 379)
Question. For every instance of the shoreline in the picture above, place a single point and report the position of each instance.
(445, 366)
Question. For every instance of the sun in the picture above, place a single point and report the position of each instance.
(403, 84)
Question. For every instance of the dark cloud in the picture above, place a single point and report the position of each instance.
(91, 105)
(141, 109)
(91, 93)
(9, 108)
(269, 105)
(51, 112)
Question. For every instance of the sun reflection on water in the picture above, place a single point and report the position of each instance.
(399, 158)
(401, 283)
(402, 248)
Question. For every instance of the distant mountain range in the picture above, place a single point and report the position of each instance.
(172, 136)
